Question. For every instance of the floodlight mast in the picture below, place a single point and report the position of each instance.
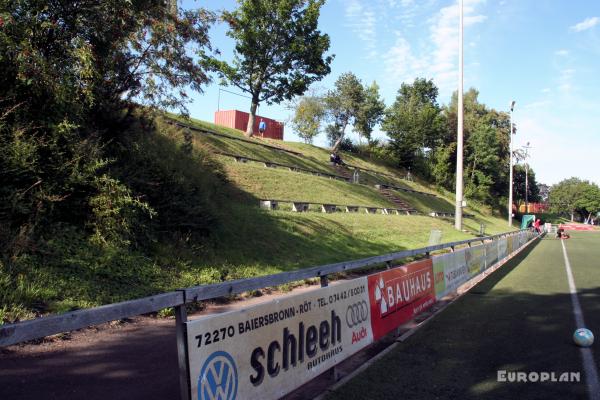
(459, 133)
(510, 184)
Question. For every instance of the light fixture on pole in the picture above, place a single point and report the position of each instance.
(510, 183)
(459, 133)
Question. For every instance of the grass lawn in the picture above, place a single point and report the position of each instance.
(263, 183)
(280, 184)
(244, 240)
(518, 319)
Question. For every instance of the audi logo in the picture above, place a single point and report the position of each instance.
(357, 313)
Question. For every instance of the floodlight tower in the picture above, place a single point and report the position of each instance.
(459, 133)
(510, 184)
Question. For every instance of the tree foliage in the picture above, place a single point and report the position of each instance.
(414, 122)
(533, 191)
(343, 105)
(370, 112)
(70, 73)
(486, 150)
(575, 196)
(308, 116)
(482, 162)
(279, 50)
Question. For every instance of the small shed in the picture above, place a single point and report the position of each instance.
(239, 120)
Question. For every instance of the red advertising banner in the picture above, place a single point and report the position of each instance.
(398, 294)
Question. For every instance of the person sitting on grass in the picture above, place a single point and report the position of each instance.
(335, 159)
(332, 159)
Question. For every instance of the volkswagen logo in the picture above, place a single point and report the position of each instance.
(357, 313)
(218, 378)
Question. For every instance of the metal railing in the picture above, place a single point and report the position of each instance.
(54, 324)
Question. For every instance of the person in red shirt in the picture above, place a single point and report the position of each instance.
(536, 225)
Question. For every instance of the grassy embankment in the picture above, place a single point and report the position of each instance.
(282, 184)
(243, 241)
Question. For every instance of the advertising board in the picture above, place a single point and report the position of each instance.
(491, 254)
(450, 271)
(510, 247)
(475, 258)
(398, 294)
(502, 248)
(268, 350)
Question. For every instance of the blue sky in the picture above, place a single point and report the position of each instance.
(544, 54)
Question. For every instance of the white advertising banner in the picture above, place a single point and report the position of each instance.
(502, 248)
(455, 272)
(491, 254)
(475, 258)
(268, 350)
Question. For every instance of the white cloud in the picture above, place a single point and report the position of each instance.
(363, 22)
(538, 104)
(565, 80)
(400, 62)
(546, 90)
(585, 24)
(438, 58)
(562, 52)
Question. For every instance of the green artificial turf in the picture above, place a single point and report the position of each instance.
(519, 319)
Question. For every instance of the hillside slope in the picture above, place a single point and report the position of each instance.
(182, 170)
(279, 183)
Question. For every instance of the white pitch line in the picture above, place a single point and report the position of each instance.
(589, 365)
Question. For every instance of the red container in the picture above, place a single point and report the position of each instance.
(239, 120)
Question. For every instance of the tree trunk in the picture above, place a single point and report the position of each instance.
(251, 118)
(572, 216)
(337, 144)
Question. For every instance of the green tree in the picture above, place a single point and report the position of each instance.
(279, 50)
(588, 203)
(89, 57)
(443, 165)
(568, 197)
(370, 113)
(479, 118)
(414, 122)
(482, 161)
(308, 115)
(533, 191)
(71, 71)
(343, 105)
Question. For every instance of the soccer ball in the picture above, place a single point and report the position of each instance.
(583, 337)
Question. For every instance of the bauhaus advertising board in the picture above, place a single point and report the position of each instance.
(398, 294)
(270, 349)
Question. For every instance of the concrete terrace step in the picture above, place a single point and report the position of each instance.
(304, 206)
(388, 194)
